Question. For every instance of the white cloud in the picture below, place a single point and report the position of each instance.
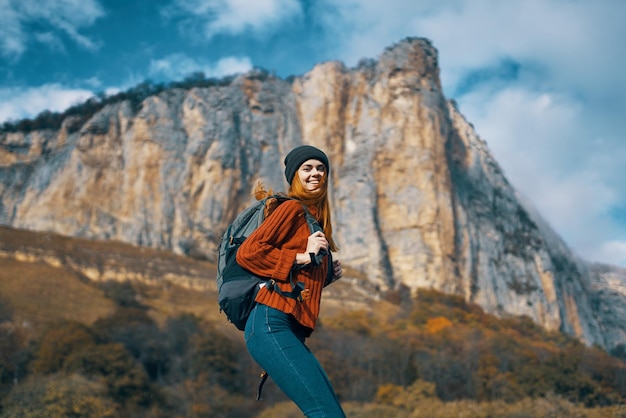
(238, 16)
(93, 82)
(177, 66)
(612, 252)
(12, 37)
(230, 65)
(53, 41)
(54, 16)
(19, 103)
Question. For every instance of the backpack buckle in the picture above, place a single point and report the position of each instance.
(304, 295)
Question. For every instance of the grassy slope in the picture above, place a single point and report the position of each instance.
(39, 293)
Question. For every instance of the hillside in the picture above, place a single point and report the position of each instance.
(431, 355)
(46, 277)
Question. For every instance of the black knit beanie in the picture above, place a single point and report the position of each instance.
(300, 154)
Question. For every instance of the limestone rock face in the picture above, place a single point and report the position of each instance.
(418, 200)
(608, 297)
(170, 174)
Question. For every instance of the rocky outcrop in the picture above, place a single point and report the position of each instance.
(102, 261)
(418, 200)
(608, 300)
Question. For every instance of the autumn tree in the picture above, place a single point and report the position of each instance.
(59, 396)
(125, 379)
(57, 343)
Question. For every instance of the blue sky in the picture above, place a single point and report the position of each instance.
(541, 80)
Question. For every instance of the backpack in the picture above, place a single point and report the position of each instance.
(237, 287)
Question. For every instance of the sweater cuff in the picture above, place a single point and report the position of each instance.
(284, 264)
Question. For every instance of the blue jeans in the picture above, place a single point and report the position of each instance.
(275, 341)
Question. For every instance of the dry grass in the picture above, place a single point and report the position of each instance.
(38, 295)
(169, 300)
(552, 407)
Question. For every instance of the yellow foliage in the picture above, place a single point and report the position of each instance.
(434, 325)
(387, 393)
(550, 406)
(405, 397)
(360, 322)
(59, 396)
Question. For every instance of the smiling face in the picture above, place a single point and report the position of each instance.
(311, 175)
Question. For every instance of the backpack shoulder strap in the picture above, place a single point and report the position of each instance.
(315, 226)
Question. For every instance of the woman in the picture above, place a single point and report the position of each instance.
(283, 249)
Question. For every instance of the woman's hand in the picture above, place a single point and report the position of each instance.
(316, 242)
(337, 270)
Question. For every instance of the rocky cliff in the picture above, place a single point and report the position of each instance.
(418, 200)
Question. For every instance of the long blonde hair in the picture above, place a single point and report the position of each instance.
(297, 191)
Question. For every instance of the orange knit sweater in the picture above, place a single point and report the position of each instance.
(271, 252)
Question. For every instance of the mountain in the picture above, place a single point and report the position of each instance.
(418, 199)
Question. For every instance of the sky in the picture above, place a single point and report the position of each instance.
(542, 81)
